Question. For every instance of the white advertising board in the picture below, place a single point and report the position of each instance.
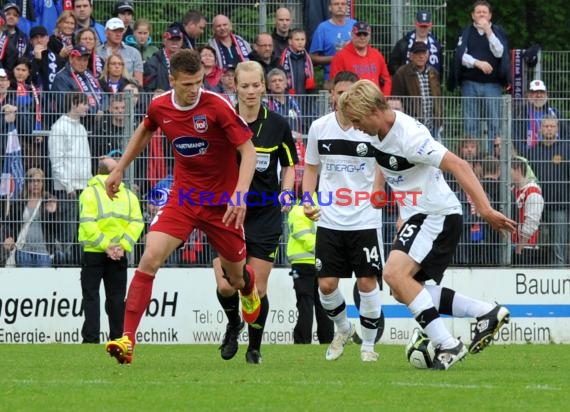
(44, 306)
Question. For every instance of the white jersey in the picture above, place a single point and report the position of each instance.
(347, 162)
(410, 159)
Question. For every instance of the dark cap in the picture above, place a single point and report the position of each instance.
(229, 68)
(419, 46)
(423, 18)
(172, 33)
(9, 6)
(38, 31)
(123, 6)
(361, 27)
(79, 50)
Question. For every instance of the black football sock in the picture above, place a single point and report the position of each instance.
(256, 332)
(230, 305)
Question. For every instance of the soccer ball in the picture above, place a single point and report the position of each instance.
(419, 350)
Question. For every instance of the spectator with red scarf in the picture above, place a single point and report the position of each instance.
(87, 38)
(231, 49)
(14, 43)
(212, 72)
(76, 77)
(297, 64)
(157, 68)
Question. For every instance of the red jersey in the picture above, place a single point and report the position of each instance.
(523, 196)
(204, 138)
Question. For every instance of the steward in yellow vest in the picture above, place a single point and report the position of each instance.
(107, 229)
(301, 255)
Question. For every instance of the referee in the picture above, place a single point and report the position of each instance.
(275, 147)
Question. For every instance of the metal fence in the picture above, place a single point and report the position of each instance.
(248, 17)
(389, 19)
(109, 133)
(111, 130)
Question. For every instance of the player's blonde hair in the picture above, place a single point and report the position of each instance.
(361, 99)
(250, 66)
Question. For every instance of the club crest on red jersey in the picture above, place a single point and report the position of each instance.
(200, 123)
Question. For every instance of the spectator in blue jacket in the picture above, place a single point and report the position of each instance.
(83, 9)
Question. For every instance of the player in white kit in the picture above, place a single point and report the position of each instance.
(412, 161)
(349, 235)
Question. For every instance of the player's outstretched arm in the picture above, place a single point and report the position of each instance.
(236, 209)
(136, 145)
(469, 182)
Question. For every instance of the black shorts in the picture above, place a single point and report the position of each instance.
(430, 240)
(338, 253)
(262, 231)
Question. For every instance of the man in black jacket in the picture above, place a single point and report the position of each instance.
(192, 27)
(263, 53)
(156, 69)
(45, 63)
(14, 43)
(400, 54)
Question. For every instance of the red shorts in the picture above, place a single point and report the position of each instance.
(180, 221)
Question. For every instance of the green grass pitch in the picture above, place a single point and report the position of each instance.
(291, 378)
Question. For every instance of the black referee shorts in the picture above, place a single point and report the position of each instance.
(262, 231)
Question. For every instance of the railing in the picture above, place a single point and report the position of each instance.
(389, 20)
(109, 133)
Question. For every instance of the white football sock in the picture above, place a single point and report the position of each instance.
(331, 302)
(370, 307)
(436, 329)
(462, 306)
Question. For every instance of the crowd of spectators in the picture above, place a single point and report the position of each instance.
(70, 92)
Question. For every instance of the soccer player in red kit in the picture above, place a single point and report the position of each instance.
(206, 134)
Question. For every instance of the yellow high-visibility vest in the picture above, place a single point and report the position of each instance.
(302, 235)
(104, 222)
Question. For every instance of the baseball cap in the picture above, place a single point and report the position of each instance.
(537, 86)
(38, 31)
(423, 18)
(3, 72)
(114, 23)
(9, 6)
(172, 33)
(115, 153)
(361, 27)
(123, 6)
(229, 68)
(165, 183)
(419, 46)
(79, 50)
